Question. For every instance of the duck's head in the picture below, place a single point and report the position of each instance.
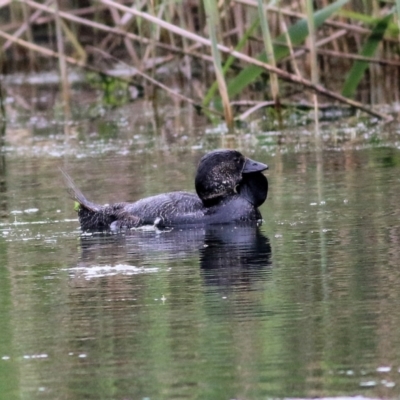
(221, 172)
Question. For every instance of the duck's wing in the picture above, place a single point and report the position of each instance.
(167, 209)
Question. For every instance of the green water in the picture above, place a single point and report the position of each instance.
(306, 306)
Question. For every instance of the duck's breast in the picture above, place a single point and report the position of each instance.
(233, 209)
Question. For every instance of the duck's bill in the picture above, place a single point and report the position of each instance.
(253, 166)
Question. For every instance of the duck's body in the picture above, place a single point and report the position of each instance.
(229, 189)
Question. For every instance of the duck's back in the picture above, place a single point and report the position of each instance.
(168, 209)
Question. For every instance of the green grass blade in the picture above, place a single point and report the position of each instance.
(358, 69)
(297, 33)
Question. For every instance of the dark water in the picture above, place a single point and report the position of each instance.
(308, 305)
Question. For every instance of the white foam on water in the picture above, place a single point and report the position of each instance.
(99, 271)
(31, 210)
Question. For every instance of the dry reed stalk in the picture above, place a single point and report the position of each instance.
(313, 58)
(356, 29)
(79, 11)
(269, 51)
(229, 62)
(372, 60)
(159, 84)
(128, 44)
(254, 108)
(170, 15)
(62, 63)
(50, 53)
(239, 55)
(332, 38)
(286, 104)
(10, 26)
(25, 25)
(238, 16)
(73, 40)
(14, 19)
(243, 57)
(29, 36)
(292, 56)
(2, 108)
(187, 69)
(398, 14)
(334, 24)
(93, 24)
(212, 12)
(150, 50)
(119, 32)
(151, 64)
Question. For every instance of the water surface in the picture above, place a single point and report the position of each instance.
(305, 306)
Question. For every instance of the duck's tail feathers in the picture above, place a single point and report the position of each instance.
(77, 195)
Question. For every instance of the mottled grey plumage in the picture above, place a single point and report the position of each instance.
(229, 189)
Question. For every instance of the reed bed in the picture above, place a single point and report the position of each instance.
(234, 57)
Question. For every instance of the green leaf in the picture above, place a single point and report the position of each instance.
(366, 19)
(359, 67)
(297, 32)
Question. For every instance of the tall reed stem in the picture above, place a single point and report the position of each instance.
(313, 58)
(62, 63)
(212, 12)
(269, 50)
(29, 36)
(2, 108)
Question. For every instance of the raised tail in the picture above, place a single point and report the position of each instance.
(94, 217)
(77, 195)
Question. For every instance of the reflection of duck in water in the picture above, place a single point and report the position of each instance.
(229, 189)
(234, 256)
(230, 256)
